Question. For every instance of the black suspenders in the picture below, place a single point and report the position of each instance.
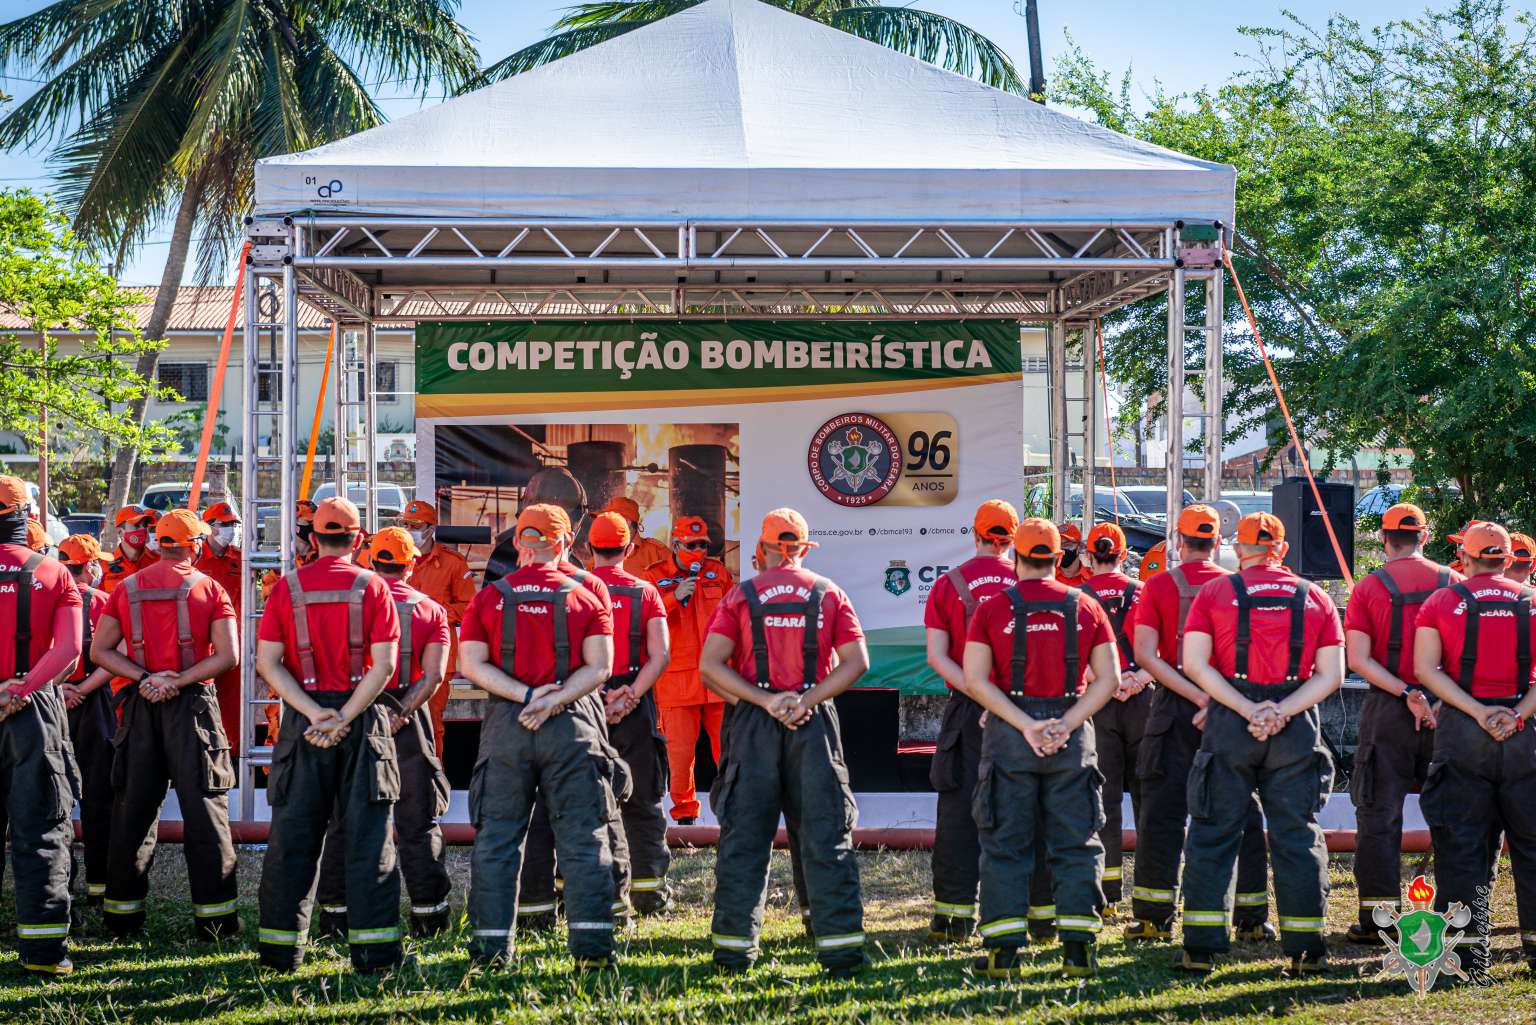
(1067, 608)
(87, 667)
(1522, 611)
(21, 578)
(1118, 610)
(1400, 600)
(810, 638)
(1246, 603)
(635, 597)
(511, 599)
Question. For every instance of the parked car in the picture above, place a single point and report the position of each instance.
(1152, 499)
(1384, 496)
(392, 498)
(83, 523)
(1037, 502)
(51, 522)
(1250, 501)
(174, 495)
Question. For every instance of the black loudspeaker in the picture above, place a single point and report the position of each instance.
(1311, 554)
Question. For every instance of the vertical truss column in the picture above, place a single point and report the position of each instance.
(1056, 399)
(1173, 404)
(1215, 384)
(1090, 432)
(355, 418)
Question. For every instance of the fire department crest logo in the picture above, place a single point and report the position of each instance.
(1425, 945)
(898, 578)
(854, 459)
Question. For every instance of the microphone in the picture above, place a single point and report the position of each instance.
(693, 571)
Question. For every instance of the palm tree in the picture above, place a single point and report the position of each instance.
(921, 34)
(157, 109)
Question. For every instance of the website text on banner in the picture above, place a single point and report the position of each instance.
(886, 433)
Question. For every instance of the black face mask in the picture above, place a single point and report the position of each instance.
(13, 528)
(304, 532)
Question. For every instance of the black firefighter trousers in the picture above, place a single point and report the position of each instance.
(424, 796)
(38, 788)
(1020, 799)
(566, 762)
(956, 844)
(1391, 762)
(360, 778)
(1293, 775)
(800, 773)
(181, 743)
(1118, 729)
(91, 727)
(1167, 753)
(1476, 785)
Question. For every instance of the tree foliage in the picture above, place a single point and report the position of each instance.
(50, 283)
(1386, 234)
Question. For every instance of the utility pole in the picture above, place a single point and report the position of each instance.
(1031, 15)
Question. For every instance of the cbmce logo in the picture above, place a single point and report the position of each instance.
(1424, 946)
(854, 459)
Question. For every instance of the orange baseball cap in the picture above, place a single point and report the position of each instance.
(179, 528)
(609, 530)
(690, 527)
(625, 506)
(1459, 537)
(417, 511)
(786, 521)
(13, 494)
(1199, 521)
(1404, 516)
(1484, 540)
(996, 519)
(539, 526)
(221, 512)
(304, 510)
(1106, 539)
(1154, 562)
(133, 514)
(1523, 547)
(392, 546)
(1070, 533)
(1037, 538)
(337, 516)
(1260, 528)
(37, 537)
(79, 549)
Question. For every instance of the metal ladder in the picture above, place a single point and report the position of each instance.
(268, 465)
(1067, 426)
(1199, 260)
(356, 417)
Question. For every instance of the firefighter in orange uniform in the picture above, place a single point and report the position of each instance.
(1073, 571)
(692, 584)
(648, 551)
(135, 525)
(221, 563)
(38, 539)
(443, 575)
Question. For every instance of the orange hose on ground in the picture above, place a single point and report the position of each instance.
(1317, 495)
(216, 390)
(1109, 431)
(314, 428)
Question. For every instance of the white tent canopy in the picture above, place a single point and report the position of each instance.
(734, 109)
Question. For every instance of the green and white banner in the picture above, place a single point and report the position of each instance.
(885, 434)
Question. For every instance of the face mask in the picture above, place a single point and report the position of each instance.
(418, 537)
(224, 534)
(153, 544)
(690, 561)
(138, 537)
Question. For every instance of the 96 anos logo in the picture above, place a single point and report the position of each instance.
(1424, 946)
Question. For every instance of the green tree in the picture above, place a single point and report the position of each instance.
(1386, 234)
(922, 34)
(51, 285)
(158, 109)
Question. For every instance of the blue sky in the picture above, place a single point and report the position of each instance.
(1181, 45)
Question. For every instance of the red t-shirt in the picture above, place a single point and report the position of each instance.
(586, 616)
(1494, 675)
(837, 625)
(52, 588)
(586, 578)
(1370, 609)
(96, 602)
(1157, 606)
(1046, 667)
(429, 625)
(328, 622)
(207, 603)
(987, 575)
(651, 607)
(1215, 613)
(1111, 587)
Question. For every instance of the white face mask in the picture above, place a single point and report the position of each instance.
(153, 544)
(224, 534)
(418, 537)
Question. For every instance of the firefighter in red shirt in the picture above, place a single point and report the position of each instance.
(40, 612)
(1027, 654)
(786, 747)
(1267, 647)
(1397, 722)
(539, 644)
(1119, 726)
(177, 628)
(92, 717)
(1074, 570)
(692, 584)
(221, 563)
(420, 671)
(328, 644)
(1174, 726)
(135, 545)
(1473, 646)
(443, 575)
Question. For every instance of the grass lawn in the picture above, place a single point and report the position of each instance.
(667, 978)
